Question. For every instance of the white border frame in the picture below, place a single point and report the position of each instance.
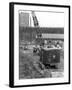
(16, 47)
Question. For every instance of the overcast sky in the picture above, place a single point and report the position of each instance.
(47, 19)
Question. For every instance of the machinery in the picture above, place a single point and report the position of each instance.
(48, 56)
(36, 24)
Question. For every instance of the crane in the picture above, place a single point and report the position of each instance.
(36, 24)
(48, 56)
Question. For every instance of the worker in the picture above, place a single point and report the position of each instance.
(58, 45)
(50, 45)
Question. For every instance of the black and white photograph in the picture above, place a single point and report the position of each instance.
(41, 48)
(41, 44)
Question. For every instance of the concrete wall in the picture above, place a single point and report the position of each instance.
(24, 19)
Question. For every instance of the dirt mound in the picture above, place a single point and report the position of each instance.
(31, 68)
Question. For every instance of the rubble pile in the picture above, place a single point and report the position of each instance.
(30, 68)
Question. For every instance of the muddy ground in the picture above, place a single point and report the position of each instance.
(31, 67)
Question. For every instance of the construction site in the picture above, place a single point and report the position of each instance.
(41, 49)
